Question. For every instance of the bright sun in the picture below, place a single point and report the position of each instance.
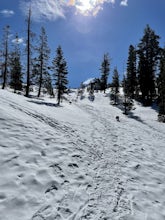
(86, 7)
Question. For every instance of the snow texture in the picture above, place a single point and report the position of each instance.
(88, 81)
(77, 162)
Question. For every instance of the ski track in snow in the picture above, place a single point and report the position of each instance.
(71, 180)
(105, 153)
(55, 167)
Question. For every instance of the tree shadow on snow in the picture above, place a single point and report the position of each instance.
(130, 114)
(44, 103)
(137, 118)
(155, 107)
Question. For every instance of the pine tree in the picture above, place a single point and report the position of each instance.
(105, 69)
(5, 56)
(47, 84)
(125, 90)
(148, 51)
(131, 74)
(161, 87)
(127, 101)
(115, 84)
(15, 68)
(41, 67)
(124, 85)
(60, 73)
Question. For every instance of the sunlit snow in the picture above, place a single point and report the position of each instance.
(77, 162)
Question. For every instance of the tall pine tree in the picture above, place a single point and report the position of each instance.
(131, 74)
(16, 68)
(161, 87)
(127, 100)
(105, 69)
(148, 51)
(41, 66)
(60, 73)
(115, 84)
(47, 83)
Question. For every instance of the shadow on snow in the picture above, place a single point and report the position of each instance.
(44, 103)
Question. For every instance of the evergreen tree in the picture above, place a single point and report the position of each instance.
(47, 83)
(41, 67)
(124, 85)
(131, 75)
(127, 101)
(115, 84)
(148, 51)
(161, 87)
(15, 68)
(5, 56)
(60, 73)
(105, 68)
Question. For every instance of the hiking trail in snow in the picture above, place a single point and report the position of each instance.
(76, 162)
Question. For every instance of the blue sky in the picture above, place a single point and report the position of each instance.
(86, 29)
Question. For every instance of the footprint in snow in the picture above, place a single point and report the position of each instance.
(137, 166)
(73, 165)
(65, 212)
(2, 196)
(66, 182)
(52, 186)
(76, 156)
(42, 213)
(21, 175)
(43, 154)
(56, 166)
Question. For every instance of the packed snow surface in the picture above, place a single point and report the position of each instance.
(76, 162)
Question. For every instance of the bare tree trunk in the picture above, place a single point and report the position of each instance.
(41, 76)
(28, 54)
(59, 96)
(6, 55)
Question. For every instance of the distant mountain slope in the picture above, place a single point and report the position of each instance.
(77, 162)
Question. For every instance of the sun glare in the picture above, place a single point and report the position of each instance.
(86, 7)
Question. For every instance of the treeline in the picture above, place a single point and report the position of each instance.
(145, 73)
(38, 70)
(144, 79)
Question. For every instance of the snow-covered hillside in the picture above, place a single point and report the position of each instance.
(76, 162)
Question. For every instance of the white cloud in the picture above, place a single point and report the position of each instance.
(7, 13)
(88, 7)
(18, 40)
(124, 3)
(48, 9)
(53, 9)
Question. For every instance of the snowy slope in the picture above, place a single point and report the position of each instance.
(77, 162)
